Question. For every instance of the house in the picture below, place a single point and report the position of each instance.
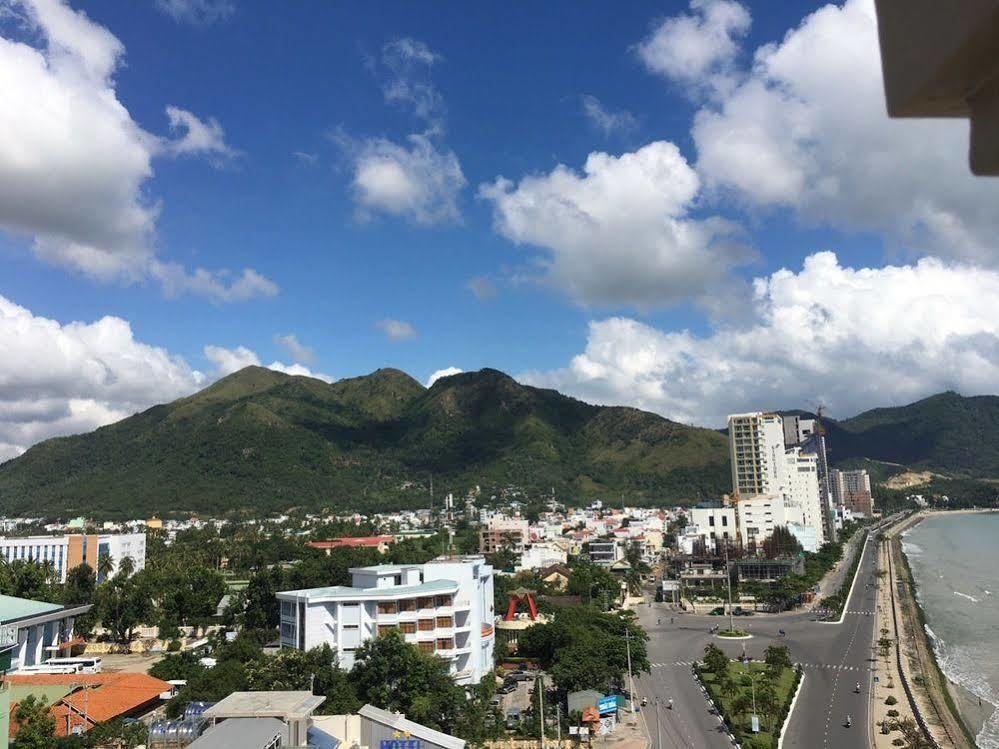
(381, 543)
(263, 720)
(444, 606)
(556, 576)
(373, 727)
(41, 630)
(81, 701)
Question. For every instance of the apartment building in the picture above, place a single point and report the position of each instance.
(759, 515)
(604, 552)
(503, 532)
(444, 607)
(802, 493)
(756, 444)
(852, 490)
(71, 550)
(715, 522)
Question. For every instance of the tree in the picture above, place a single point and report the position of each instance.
(766, 700)
(80, 586)
(314, 670)
(180, 666)
(393, 675)
(777, 657)
(261, 608)
(715, 659)
(781, 543)
(126, 567)
(105, 566)
(209, 685)
(594, 584)
(122, 604)
(35, 724)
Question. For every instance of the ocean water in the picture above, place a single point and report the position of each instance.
(955, 561)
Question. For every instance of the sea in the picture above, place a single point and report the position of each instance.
(955, 562)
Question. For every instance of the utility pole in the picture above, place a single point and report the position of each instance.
(728, 579)
(659, 733)
(558, 713)
(631, 676)
(541, 704)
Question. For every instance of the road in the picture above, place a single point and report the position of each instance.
(834, 656)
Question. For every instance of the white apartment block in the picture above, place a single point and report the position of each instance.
(802, 490)
(443, 607)
(540, 555)
(68, 551)
(715, 524)
(759, 515)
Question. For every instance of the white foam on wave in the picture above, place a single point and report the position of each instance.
(961, 667)
(965, 595)
(911, 549)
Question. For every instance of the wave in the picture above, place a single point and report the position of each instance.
(961, 667)
(911, 549)
(965, 595)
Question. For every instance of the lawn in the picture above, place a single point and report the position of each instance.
(739, 699)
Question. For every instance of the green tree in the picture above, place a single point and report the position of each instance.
(715, 659)
(392, 674)
(594, 584)
(105, 566)
(80, 586)
(209, 685)
(35, 724)
(315, 669)
(261, 608)
(180, 666)
(777, 658)
(126, 566)
(122, 604)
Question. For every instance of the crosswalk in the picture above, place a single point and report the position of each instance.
(861, 612)
(831, 667)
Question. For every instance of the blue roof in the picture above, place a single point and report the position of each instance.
(12, 608)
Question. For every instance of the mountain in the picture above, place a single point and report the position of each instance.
(261, 440)
(947, 433)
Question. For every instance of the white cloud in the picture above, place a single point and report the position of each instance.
(298, 351)
(606, 121)
(697, 49)
(407, 63)
(621, 232)
(73, 163)
(197, 12)
(58, 379)
(446, 372)
(197, 137)
(420, 182)
(805, 128)
(229, 360)
(482, 288)
(396, 330)
(850, 338)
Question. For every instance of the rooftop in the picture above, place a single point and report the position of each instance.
(12, 608)
(400, 723)
(245, 732)
(284, 705)
(348, 592)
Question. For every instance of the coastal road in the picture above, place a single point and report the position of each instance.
(834, 656)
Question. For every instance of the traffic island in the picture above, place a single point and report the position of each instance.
(734, 634)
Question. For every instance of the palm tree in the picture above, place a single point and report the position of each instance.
(105, 566)
(126, 567)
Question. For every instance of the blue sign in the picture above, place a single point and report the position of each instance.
(399, 744)
(607, 704)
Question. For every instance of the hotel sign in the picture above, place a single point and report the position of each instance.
(400, 744)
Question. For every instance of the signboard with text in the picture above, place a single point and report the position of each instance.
(607, 704)
(8, 636)
(399, 744)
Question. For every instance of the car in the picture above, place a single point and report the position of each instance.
(718, 611)
(495, 701)
(513, 717)
(739, 611)
(520, 675)
(507, 688)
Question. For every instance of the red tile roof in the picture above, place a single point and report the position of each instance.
(99, 697)
(365, 541)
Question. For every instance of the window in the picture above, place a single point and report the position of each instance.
(287, 609)
(397, 579)
(725, 523)
(407, 605)
(426, 647)
(388, 607)
(445, 621)
(426, 602)
(426, 625)
(408, 628)
(711, 521)
(443, 601)
(384, 629)
(445, 643)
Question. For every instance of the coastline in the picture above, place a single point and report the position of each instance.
(965, 708)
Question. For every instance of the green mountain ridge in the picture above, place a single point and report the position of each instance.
(263, 441)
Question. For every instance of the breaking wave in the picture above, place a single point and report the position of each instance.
(960, 667)
(965, 595)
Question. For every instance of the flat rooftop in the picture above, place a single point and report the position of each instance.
(283, 705)
(347, 592)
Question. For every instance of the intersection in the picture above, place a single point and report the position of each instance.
(834, 657)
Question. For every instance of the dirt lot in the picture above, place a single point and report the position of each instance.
(129, 662)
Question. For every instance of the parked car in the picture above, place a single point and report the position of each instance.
(739, 611)
(508, 686)
(521, 675)
(513, 717)
(718, 611)
(495, 701)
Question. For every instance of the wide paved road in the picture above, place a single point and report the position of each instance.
(834, 657)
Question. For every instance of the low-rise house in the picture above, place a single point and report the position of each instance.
(556, 576)
(259, 720)
(381, 543)
(40, 630)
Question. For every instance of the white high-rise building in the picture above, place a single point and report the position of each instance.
(443, 607)
(763, 466)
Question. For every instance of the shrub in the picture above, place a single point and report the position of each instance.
(173, 646)
(898, 742)
(891, 700)
(893, 713)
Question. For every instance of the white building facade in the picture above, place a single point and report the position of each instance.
(67, 551)
(443, 607)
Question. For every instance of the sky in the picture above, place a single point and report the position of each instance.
(692, 208)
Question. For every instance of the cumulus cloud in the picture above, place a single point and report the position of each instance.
(298, 351)
(850, 338)
(228, 360)
(446, 372)
(74, 164)
(697, 49)
(396, 330)
(620, 232)
(482, 288)
(605, 120)
(197, 12)
(58, 379)
(419, 181)
(805, 128)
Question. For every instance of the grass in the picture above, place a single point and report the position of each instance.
(741, 725)
(732, 633)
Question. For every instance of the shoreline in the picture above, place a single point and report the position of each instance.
(961, 703)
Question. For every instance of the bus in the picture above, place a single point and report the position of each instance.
(75, 665)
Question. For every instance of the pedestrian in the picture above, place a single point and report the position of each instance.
(671, 620)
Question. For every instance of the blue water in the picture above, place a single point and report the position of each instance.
(955, 561)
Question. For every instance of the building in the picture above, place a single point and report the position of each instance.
(78, 702)
(502, 533)
(852, 490)
(539, 555)
(756, 445)
(66, 552)
(604, 552)
(715, 522)
(809, 435)
(443, 607)
(381, 543)
(259, 719)
(758, 516)
(41, 630)
(374, 728)
(768, 570)
(801, 491)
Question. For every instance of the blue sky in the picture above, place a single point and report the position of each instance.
(291, 102)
